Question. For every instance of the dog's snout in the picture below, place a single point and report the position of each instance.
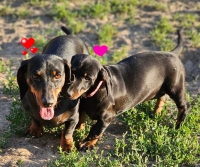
(47, 102)
(70, 92)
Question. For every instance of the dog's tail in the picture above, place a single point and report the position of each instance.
(179, 47)
(66, 30)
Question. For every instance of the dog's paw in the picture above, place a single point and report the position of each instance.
(66, 143)
(35, 130)
(87, 145)
(80, 126)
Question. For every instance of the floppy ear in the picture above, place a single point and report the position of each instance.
(72, 59)
(107, 78)
(21, 78)
(67, 72)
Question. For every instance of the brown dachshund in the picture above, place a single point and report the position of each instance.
(110, 90)
(41, 80)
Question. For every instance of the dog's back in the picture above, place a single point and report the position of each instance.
(66, 46)
(153, 68)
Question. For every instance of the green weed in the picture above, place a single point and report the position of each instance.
(4, 139)
(62, 13)
(106, 33)
(186, 20)
(19, 118)
(37, 20)
(5, 10)
(159, 6)
(149, 142)
(95, 10)
(11, 88)
(2, 67)
(123, 6)
(195, 38)
(159, 35)
(119, 55)
(154, 5)
(22, 13)
(40, 42)
(79, 135)
(157, 140)
(189, 20)
(164, 25)
(20, 162)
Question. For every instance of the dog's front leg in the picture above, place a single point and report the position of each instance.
(35, 129)
(67, 135)
(81, 123)
(96, 133)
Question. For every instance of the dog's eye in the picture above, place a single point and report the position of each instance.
(35, 76)
(57, 76)
(87, 78)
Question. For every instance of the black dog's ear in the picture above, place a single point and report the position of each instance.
(67, 72)
(107, 79)
(21, 78)
(73, 58)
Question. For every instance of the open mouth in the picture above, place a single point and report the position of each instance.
(47, 113)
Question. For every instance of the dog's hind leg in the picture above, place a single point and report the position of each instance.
(179, 96)
(183, 108)
(159, 104)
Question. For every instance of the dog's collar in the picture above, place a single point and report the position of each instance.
(97, 88)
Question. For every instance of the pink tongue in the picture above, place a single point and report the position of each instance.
(46, 113)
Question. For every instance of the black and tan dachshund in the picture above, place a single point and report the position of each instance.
(110, 90)
(41, 80)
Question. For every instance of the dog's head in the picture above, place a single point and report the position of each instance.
(87, 74)
(44, 75)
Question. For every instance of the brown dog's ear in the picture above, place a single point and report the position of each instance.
(107, 79)
(67, 72)
(21, 78)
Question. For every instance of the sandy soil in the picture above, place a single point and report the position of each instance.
(38, 152)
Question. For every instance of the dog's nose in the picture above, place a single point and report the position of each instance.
(47, 103)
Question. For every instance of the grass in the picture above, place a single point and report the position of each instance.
(5, 10)
(4, 136)
(119, 54)
(95, 10)
(159, 34)
(106, 34)
(22, 13)
(153, 4)
(123, 7)
(186, 20)
(62, 13)
(148, 142)
(194, 35)
(40, 41)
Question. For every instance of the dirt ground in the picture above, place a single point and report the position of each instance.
(38, 152)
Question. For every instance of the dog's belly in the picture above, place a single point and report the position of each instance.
(129, 101)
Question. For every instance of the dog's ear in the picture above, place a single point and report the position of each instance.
(72, 59)
(67, 72)
(107, 79)
(21, 78)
